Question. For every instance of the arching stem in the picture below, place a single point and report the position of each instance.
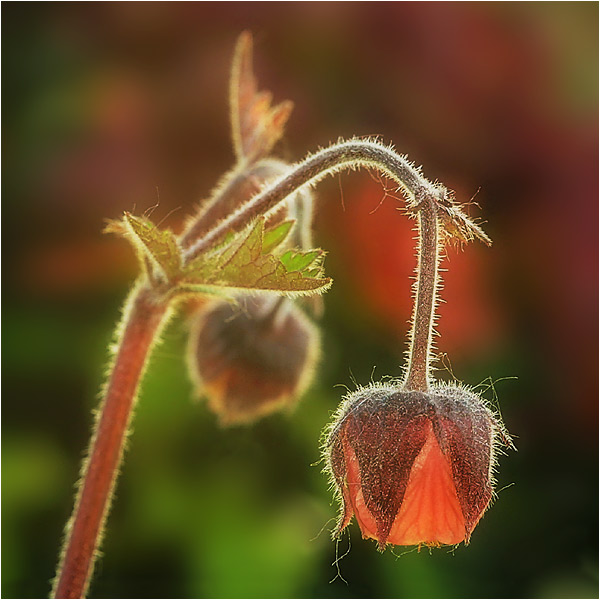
(336, 158)
(431, 202)
(237, 187)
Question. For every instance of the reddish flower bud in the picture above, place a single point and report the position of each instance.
(413, 467)
(252, 358)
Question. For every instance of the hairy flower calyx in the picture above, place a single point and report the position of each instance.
(253, 358)
(414, 468)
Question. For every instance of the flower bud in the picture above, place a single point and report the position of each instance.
(252, 358)
(413, 467)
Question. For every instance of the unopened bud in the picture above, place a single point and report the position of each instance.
(414, 468)
(252, 358)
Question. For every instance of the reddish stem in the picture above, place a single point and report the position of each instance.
(142, 320)
(421, 332)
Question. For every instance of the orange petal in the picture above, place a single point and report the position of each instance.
(430, 512)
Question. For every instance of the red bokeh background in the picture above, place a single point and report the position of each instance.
(122, 106)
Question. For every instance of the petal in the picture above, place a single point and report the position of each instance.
(431, 512)
(469, 454)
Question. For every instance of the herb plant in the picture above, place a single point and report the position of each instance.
(411, 459)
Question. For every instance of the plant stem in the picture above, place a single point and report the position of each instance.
(315, 167)
(429, 201)
(143, 318)
(419, 354)
(338, 157)
(238, 186)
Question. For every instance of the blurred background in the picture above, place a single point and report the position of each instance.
(122, 106)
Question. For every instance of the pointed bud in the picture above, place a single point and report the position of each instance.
(256, 125)
(253, 358)
(413, 467)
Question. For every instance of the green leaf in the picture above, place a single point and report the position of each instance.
(157, 245)
(298, 261)
(274, 236)
(244, 265)
(245, 261)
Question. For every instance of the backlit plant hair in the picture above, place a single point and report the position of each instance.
(253, 238)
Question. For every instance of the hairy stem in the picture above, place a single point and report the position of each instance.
(339, 157)
(241, 184)
(419, 355)
(238, 186)
(432, 203)
(143, 319)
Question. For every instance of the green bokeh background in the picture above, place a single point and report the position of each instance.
(107, 105)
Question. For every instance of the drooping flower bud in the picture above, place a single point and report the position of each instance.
(414, 468)
(252, 358)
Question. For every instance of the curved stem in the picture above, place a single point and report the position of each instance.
(432, 202)
(346, 155)
(222, 201)
(335, 158)
(238, 186)
(142, 321)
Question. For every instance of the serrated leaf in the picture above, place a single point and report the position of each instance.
(204, 266)
(157, 245)
(245, 266)
(312, 272)
(246, 250)
(298, 261)
(275, 236)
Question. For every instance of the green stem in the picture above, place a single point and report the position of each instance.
(143, 319)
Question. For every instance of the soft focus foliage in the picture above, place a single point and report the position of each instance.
(251, 357)
(122, 106)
